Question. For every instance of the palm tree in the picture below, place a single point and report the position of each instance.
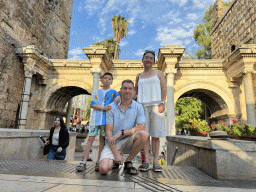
(120, 29)
(110, 44)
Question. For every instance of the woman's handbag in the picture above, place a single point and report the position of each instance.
(46, 149)
(46, 146)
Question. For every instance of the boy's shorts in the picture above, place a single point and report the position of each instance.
(94, 129)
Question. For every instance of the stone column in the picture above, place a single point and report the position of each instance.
(170, 101)
(69, 113)
(249, 98)
(96, 72)
(22, 121)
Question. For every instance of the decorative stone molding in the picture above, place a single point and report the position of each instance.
(232, 83)
(169, 56)
(99, 56)
(32, 58)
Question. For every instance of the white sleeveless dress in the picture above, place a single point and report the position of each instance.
(149, 95)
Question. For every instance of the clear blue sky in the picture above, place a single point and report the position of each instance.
(153, 24)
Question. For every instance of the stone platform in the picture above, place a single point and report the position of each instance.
(229, 159)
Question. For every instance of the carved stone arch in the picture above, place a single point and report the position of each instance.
(223, 97)
(55, 87)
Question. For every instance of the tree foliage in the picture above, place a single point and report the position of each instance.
(120, 29)
(110, 44)
(87, 111)
(202, 34)
(188, 110)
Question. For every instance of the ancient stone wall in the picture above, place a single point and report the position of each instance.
(44, 23)
(232, 27)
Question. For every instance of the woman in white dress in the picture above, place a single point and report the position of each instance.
(151, 93)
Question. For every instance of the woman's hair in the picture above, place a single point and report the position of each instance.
(147, 51)
(62, 124)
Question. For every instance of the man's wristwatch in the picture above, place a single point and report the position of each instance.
(163, 102)
(122, 132)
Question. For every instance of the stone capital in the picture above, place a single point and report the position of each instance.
(170, 73)
(246, 71)
(96, 71)
(29, 72)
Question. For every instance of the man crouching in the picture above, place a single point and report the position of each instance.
(125, 131)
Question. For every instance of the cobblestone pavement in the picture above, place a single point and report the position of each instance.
(45, 175)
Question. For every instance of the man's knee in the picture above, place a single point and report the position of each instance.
(142, 135)
(105, 165)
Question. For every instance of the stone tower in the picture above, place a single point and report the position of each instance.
(232, 26)
(45, 24)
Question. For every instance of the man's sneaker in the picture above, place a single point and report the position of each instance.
(157, 167)
(144, 167)
(97, 166)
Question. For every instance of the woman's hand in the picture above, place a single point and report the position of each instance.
(161, 108)
(47, 142)
(59, 149)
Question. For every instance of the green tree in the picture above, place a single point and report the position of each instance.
(202, 34)
(188, 109)
(110, 44)
(87, 111)
(120, 29)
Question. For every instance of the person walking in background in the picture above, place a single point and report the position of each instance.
(161, 160)
(142, 156)
(59, 140)
(99, 105)
(151, 93)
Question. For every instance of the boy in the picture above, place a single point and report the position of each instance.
(99, 105)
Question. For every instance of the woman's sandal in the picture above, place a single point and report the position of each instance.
(81, 167)
(130, 169)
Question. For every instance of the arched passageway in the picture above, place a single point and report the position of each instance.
(218, 108)
(58, 100)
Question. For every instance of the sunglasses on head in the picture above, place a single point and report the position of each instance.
(148, 51)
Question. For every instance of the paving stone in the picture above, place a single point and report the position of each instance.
(14, 186)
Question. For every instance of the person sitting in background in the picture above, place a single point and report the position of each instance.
(59, 140)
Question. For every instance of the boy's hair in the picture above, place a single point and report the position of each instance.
(128, 81)
(107, 73)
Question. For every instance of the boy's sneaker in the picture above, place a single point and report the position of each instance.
(144, 167)
(97, 166)
(157, 167)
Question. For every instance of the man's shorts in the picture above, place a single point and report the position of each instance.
(94, 129)
(155, 121)
(123, 146)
